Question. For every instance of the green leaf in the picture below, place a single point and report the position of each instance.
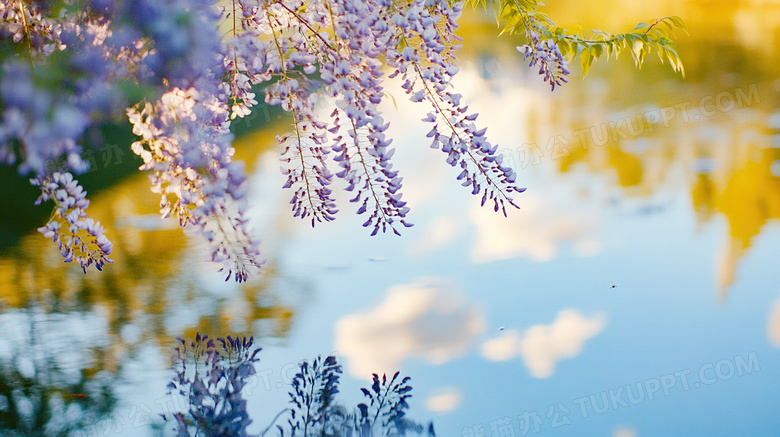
(661, 53)
(522, 16)
(612, 48)
(564, 47)
(596, 50)
(678, 22)
(586, 60)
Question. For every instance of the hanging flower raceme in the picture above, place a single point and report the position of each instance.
(285, 63)
(186, 143)
(185, 135)
(301, 53)
(363, 32)
(78, 236)
(546, 55)
(425, 61)
(352, 76)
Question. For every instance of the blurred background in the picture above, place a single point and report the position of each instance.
(635, 293)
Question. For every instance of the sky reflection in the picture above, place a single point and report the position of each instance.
(542, 346)
(428, 319)
(666, 189)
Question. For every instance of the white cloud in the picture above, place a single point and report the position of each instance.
(536, 231)
(624, 432)
(542, 346)
(444, 400)
(427, 319)
(504, 347)
(773, 325)
(441, 231)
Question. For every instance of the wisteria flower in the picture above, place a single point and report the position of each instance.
(78, 237)
(546, 55)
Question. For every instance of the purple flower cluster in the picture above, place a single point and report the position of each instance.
(78, 236)
(354, 76)
(169, 48)
(41, 126)
(425, 61)
(546, 55)
(200, 81)
(180, 40)
(36, 127)
(26, 20)
(185, 134)
(350, 41)
(284, 63)
(187, 144)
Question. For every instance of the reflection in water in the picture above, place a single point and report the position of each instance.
(444, 400)
(724, 160)
(426, 319)
(773, 325)
(649, 132)
(211, 375)
(56, 371)
(624, 432)
(644, 135)
(542, 346)
(537, 232)
(440, 232)
(70, 335)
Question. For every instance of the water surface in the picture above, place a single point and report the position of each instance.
(633, 294)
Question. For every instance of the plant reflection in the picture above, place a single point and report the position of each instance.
(211, 375)
(66, 335)
(725, 162)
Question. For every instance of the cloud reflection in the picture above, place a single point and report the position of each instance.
(624, 432)
(428, 319)
(542, 346)
(773, 326)
(443, 400)
(441, 231)
(536, 232)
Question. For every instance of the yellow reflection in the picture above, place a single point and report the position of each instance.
(152, 277)
(728, 172)
(748, 196)
(646, 131)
